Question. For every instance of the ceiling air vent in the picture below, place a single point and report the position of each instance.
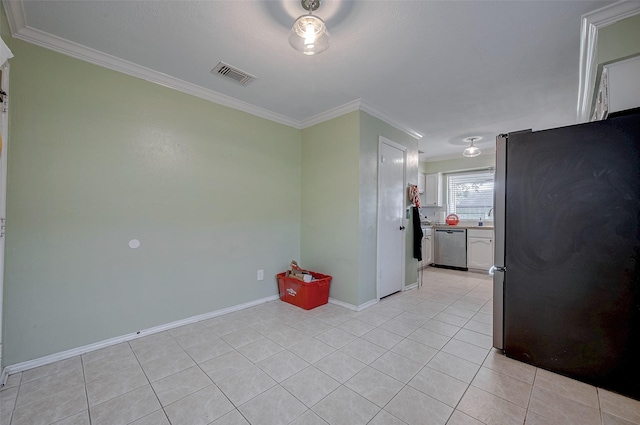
(235, 74)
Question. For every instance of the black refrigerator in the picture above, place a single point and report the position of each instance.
(567, 252)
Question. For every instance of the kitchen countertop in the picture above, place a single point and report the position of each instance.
(459, 226)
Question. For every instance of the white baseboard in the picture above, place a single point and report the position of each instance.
(351, 306)
(367, 304)
(20, 367)
(3, 377)
(410, 287)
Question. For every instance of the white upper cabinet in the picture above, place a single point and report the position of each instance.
(619, 88)
(421, 184)
(624, 84)
(433, 190)
(421, 180)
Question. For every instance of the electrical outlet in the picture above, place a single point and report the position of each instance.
(260, 274)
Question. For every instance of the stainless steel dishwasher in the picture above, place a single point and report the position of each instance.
(451, 248)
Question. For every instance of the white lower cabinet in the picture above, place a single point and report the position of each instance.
(427, 248)
(427, 251)
(480, 249)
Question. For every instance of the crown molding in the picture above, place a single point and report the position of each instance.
(15, 15)
(591, 23)
(20, 30)
(332, 113)
(389, 120)
(361, 105)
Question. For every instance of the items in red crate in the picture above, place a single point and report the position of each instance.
(304, 288)
(298, 273)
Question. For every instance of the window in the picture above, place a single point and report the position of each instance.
(470, 194)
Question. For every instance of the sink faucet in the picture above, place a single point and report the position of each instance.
(489, 215)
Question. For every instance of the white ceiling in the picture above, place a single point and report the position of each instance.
(444, 70)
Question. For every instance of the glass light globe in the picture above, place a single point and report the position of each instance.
(309, 35)
(471, 151)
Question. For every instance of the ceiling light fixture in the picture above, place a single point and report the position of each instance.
(472, 150)
(309, 34)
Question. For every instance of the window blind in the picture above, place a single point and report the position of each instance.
(470, 194)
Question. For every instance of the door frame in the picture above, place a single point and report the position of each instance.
(383, 140)
(4, 118)
(590, 25)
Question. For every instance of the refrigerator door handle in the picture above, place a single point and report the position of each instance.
(494, 269)
(499, 205)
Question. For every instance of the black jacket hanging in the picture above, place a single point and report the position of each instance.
(417, 234)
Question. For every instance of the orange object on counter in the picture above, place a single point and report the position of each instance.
(452, 220)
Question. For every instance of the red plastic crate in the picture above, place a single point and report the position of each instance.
(305, 295)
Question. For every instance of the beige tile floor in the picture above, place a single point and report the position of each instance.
(420, 357)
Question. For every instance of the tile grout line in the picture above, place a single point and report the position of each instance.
(469, 385)
(474, 376)
(19, 389)
(237, 408)
(15, 403)
(404, 309)
(600, 406)
(439, 351)
(366, 365)
(86, 392)
(212, 381)
(150, 385)
(533, 384)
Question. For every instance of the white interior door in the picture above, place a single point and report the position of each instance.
(391, 221)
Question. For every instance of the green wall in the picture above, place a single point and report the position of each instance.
(339, 202)
(619, 40)
(329, 208)
(5, 31)
(459, 164)
(98, 158)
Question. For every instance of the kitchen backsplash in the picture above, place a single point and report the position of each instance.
(433, 214)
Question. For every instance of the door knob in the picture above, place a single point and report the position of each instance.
(401, 227)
